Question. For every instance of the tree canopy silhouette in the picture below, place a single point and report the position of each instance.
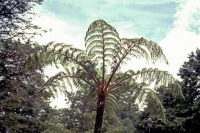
(15, 19)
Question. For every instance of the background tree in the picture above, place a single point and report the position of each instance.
(54, 123)
(182, 115)
(190, 73)
(79, 117)
(99, 66)
(16, 17)
(127, 110)
(22, 109)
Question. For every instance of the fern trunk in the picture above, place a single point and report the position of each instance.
(99, 114)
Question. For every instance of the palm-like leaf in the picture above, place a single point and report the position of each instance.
(99, 66)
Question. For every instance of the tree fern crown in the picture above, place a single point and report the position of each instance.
(99, 66)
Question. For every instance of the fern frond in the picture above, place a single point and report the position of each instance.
(64, 54)
(52, 80)
(135, 48)
(161, 78)
(111, 102)
(155, 106)
(149, 76)
(140, 47)
(89, 50)
(101, 38)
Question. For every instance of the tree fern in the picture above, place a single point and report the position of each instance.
(99, 67)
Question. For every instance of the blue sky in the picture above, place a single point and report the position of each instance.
(173, 24)
(144, 18)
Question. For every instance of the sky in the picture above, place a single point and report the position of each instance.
(173, 24)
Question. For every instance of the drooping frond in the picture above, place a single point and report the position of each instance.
(63, 81)
(161, 78)
(139, 48)
(63, 54)
(48, 55)
(127, 80)
(142, 48)
(155, 75)
(150, 76)
(142, 96)
(57, 83)
(155, 106)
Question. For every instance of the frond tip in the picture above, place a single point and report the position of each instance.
(57, 83)
(155, 106)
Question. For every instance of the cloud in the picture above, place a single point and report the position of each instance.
(61, 31)
(182, 39)
(188, 13)
(151, 19)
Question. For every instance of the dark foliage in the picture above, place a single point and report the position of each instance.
(190, 73)
(152, 124)
(79, 117)
(16, 17)
(22, 110)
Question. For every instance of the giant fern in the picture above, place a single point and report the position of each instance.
(99, 67)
